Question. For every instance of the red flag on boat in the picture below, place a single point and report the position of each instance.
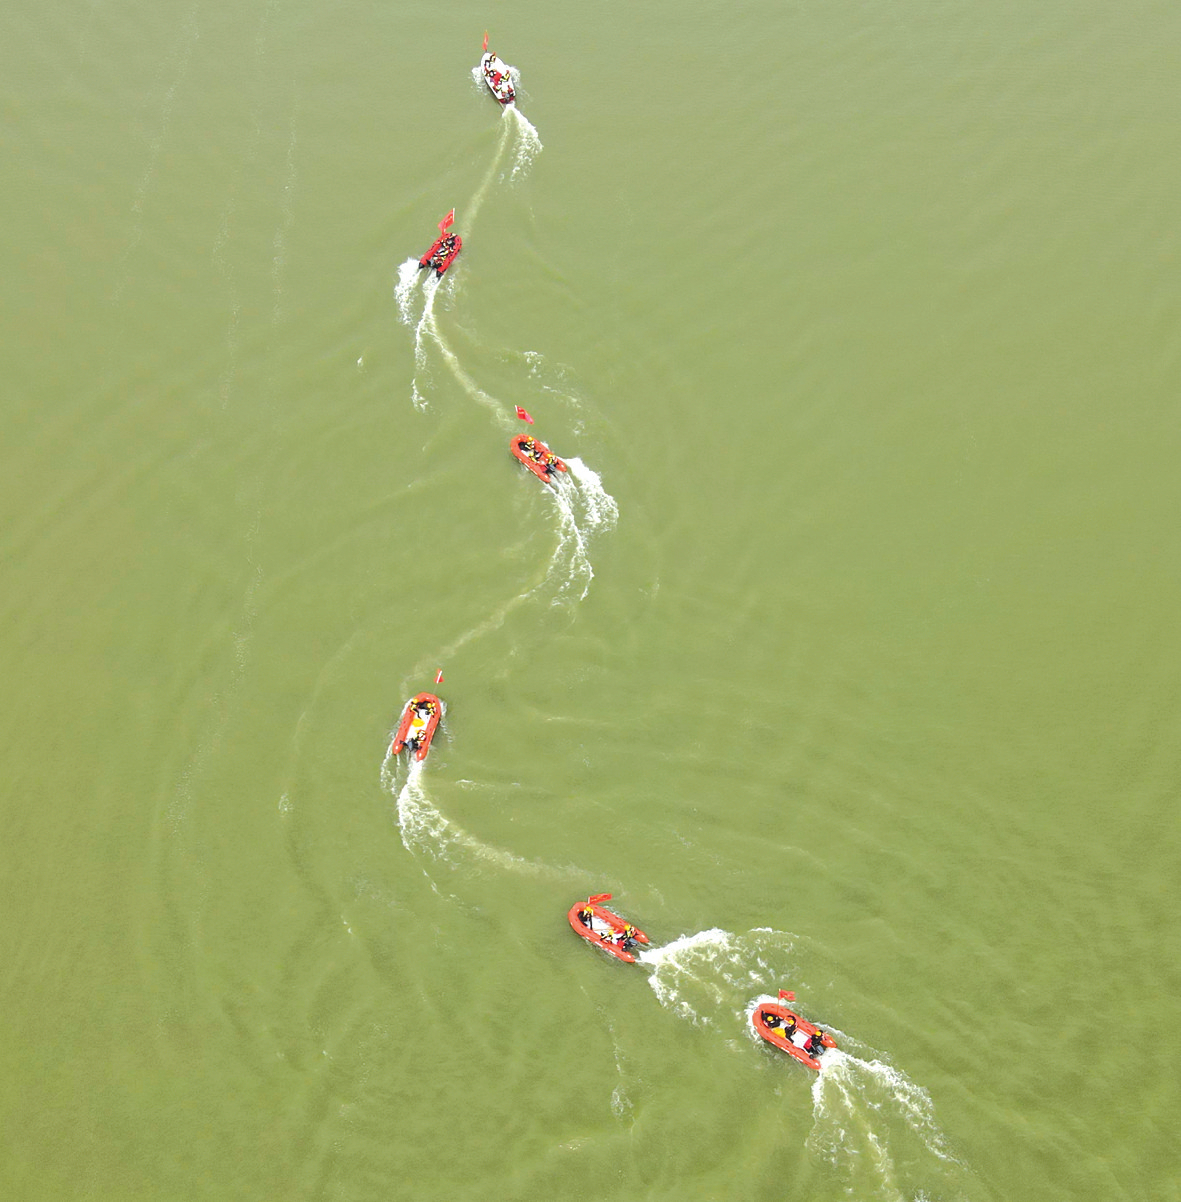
(786, 995)
(523, 415)
(485, 41)
(595, 898)
(446, 222)
(439, 677)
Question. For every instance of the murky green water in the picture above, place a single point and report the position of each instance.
(846, 659)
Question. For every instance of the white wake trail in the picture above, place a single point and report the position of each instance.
(528, 142)
(689, 976)
(585, 508)
(875, 1126)
(429, 326)
(428, 834)
(477, 201)
(424, 326)
(408, 277)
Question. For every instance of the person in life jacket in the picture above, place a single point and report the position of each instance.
(777, 1024)
(629, 935)
(585, 915)
(815, 1044)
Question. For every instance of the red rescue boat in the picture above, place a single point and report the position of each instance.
(796, 1036)
(420, 719)
(442, 253)
(536, 456)
(598, 925)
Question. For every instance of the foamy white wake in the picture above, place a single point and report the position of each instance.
(428, 326)
(426, 832)
(870, 1121)
(477, 200)
(878, 1129)
(695, 975)
(527, 144)
(409, 274)
(424, 324)
(585, 508)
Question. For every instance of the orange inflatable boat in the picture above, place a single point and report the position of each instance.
(796, 1036)
(598, 925)
(420, 719)
(536, 456)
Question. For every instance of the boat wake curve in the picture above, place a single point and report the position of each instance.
(877, 1129)
(584, 508)
(431, 836)
(875, 1126)
(700, 976)
(527, 144)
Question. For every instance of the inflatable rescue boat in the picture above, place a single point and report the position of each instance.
(536, 456)
(796, 1036)
(442, 253)
(498, 78)
(420, 719)
(598, 925)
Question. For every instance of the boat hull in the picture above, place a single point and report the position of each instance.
(498, 78)
(603, 921)
(442, 266)
(414, 726)
(549, 464)
(804, 1030)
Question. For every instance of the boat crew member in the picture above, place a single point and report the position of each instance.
(815, 1044)
(629, 935)
(585, 915)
